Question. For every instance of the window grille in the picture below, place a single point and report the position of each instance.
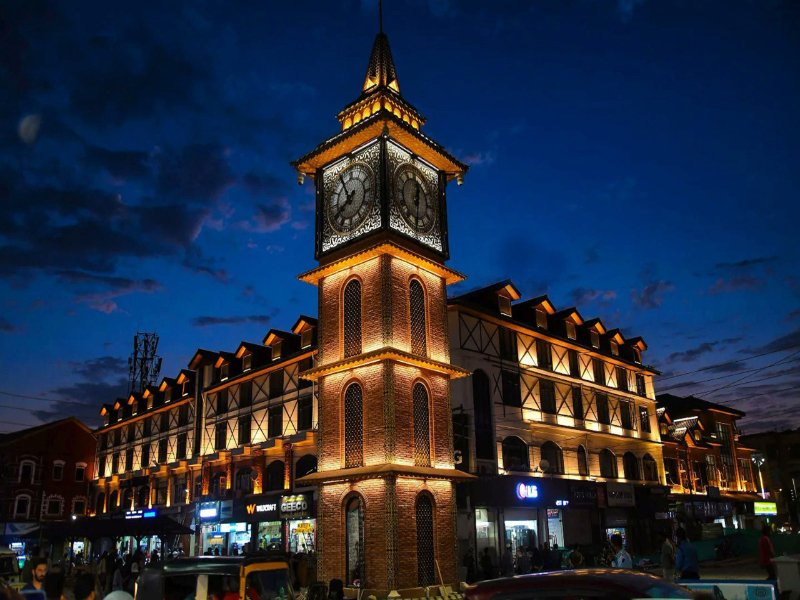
(353, 427)
(425, 555)
(352, 318)
(422, 443)
(418, 330)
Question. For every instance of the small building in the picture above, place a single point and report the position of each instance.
(708, 468)
(47, 472)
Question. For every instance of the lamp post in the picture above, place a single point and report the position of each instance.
(759, 460)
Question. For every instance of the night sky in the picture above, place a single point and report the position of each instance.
(636, 158)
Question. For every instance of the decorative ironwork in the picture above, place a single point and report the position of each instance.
(397, 158)
(391, 530)
(352, 318)
(386, 299)
(388, 414)
(371, 157)
(354, 534)
(416, 295)
(422, 430)
(426, 574)
(353, 426)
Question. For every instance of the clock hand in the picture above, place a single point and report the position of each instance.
(416, 201)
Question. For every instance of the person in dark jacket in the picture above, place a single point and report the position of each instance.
(469, 565)
(486, 564)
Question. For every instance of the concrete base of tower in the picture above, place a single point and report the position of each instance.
(390, 533)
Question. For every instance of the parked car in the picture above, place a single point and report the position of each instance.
(259, 576)
(582, 584)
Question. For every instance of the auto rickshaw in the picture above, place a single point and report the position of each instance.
(258, 576)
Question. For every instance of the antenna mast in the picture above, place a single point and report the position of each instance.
(144, 364)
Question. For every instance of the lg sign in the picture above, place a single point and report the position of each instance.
(526, 491)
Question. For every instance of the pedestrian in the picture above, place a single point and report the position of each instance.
(54, 586)
(686, 557)
(102, 569)
(486, 564)
(575, 560)
(507, 562)
(667, 556)
(469, 564)
(537, 560)
(524, 565)
(119, 595)
(118, 580)
(622, 560)
(84, 588)
(38, 572)
(766, 552)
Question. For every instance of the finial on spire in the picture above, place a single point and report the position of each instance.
(380, 14)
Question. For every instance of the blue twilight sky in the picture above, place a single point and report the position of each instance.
(636, 158)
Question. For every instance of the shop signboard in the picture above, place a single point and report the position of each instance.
(765, 508)
(254, 509)
(620, 494)
(141, 514)
(583, 494)
(209, 511)
(295, 506)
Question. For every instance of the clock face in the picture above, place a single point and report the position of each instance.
(414, 200)
(350, 198)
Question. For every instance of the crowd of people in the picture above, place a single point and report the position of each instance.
(678, 560)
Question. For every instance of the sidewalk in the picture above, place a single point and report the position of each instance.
(733, 568)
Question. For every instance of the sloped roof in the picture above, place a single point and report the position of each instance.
(680, 405)
(14, 436)
(380, 70)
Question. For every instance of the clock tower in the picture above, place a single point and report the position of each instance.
(386, 474)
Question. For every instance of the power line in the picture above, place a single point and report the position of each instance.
(40, 399)
(784, 374)
(37, 411)
(776, 363)
(757, 395)
(692, 383)
(725, 364)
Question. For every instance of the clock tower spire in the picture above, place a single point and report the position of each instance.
(386, 474)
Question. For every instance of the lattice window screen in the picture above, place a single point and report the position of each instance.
(425, 555)
(422, 439)
(352, 318)
(418, 329)
(353, 427)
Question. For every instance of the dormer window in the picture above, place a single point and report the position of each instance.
(247, 362)
(541, 319)
(504, 305)
(595, 339)
(167, 395)
(615, 348)
(637, 356)
(223, 372)
(698, 435)
(276, 350)
(570, 330)
(305, 338)
(183, 389)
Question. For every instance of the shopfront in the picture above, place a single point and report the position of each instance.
(275, 522)
(297, 513)
(261, 517)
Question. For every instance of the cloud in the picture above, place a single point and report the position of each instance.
(726, 368)
(479, 158)
(265, 183)
(652, 295)
(736, 284)
(198, 173)
(91, 393)
(625, 9)
(206, 321)
(6, 326)
(115, 287)
(101, 368)
(789, 340)
(270, 216)
(693, 353)
(122, 165)
(592, 255)
(581, 295)
(792, 316)
(744, 264)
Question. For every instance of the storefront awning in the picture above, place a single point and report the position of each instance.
(93, 528)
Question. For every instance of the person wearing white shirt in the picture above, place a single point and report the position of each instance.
(622, 560)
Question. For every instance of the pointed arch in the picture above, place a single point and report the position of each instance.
(426, 560)
(583, 461)
(422, 429)
(274, 475)
(630, 466)
(650, 468)
(608, 464)
(551, 452)
(353, 426)
(418, 311)
(515, 454)
(351, 317)
(354, 538)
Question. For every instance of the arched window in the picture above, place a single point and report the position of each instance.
(515, 454)
(650, 468)
(27, 469)
(127, 499)
(630, 466)
(425, 555)
(608, 464)
(422, 430)
(305, 466)
(353, 427)
(352, 318)
(554, 457)
(218, 484)
(354, 534)
(198, 486)
(583, 461)
(244, 480)
(481, 398)
(99, 503)
(274, 475)
(143, 500)
(113, 500)
(416, 295)
(22, 506)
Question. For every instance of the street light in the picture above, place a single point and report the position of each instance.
(760, 460)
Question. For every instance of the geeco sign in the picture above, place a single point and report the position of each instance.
(294, 504)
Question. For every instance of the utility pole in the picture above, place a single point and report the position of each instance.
(144, 364)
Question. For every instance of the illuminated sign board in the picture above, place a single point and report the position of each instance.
(765, 508)
(141, 514)
(208, 512)
(232, 527)
(261, 508)
(562, 502)
(527, 491)
(294, 505)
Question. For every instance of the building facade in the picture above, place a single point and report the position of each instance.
(776, 471)
(231, 431)
(708, 468)
(558, 420)
(47, 472)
